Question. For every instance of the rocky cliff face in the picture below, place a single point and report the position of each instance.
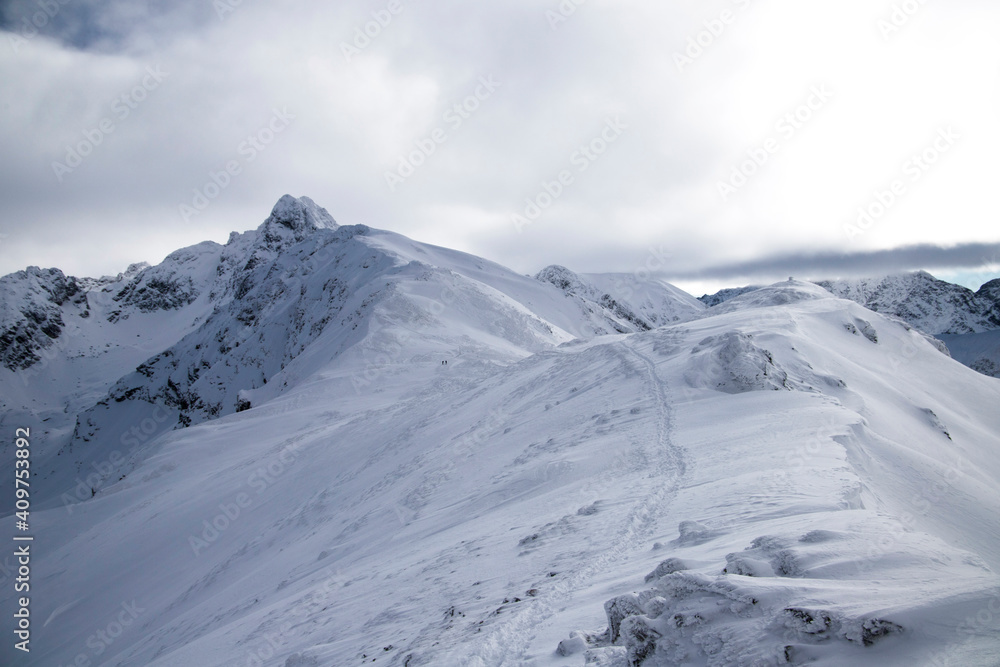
(279, 290)
(33, 304)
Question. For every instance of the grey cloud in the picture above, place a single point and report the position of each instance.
(104, 25)
(839, 264)
(654, 186)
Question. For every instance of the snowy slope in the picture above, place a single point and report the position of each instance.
(724, 295)
(933, 306)
(106, 329)
(657, 301)
(228, 327)
(622, 302)
(808, 482)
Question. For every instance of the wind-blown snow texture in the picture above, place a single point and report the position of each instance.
(332, 445)
(956, 315)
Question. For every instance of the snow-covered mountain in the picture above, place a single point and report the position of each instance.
(933, 306)
(215, 325)
(337, 446)
(623, 302)
(963, 319)
(726, 294)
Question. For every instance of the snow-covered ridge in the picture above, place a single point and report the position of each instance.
(790, 480)
(403, 454)
(931, 305)
(241, 316)
(622, 303)
(963, 319)
(725, 295)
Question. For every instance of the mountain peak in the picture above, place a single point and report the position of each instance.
(990, 290)
(300, 214)
(559, 276)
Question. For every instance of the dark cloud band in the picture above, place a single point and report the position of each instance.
(837, 264)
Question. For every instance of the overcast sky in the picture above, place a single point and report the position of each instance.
(737, 138)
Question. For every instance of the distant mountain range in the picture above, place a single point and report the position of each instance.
(933, 306)
(953, 313)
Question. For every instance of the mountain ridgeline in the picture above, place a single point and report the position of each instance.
(933, 306)
(215, 329)
(323, 444)
(965, 320)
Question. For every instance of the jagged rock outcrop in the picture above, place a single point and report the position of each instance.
(32, 311)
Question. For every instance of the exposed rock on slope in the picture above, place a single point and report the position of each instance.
(32, 306)
(622, 303)
(931, 305)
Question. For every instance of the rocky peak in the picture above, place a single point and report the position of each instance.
(561, 277)
(300, 215)
(991, 292)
